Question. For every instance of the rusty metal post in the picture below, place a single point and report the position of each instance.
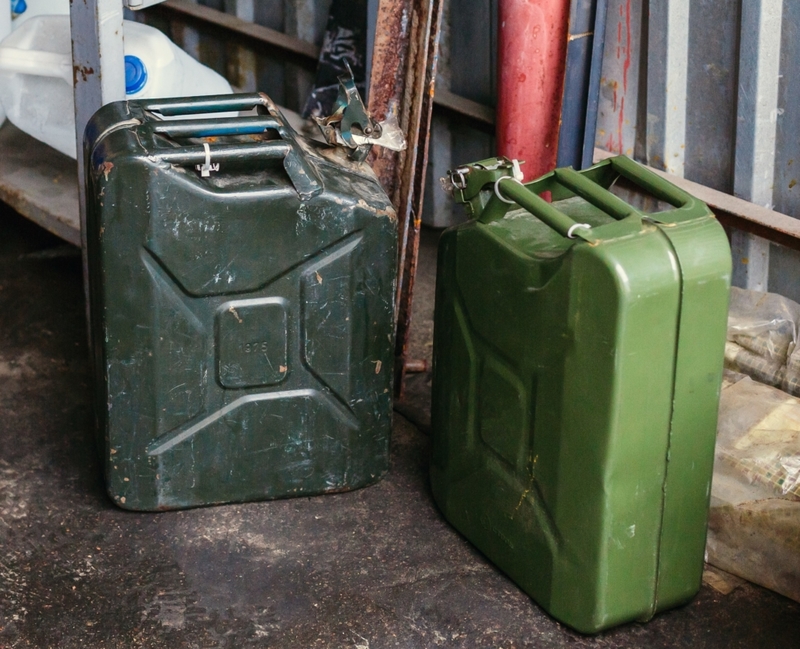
(98, 69)
(402, 84)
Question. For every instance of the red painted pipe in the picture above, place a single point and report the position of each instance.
(531, 60)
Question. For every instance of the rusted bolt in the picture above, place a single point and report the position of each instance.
(416, 365)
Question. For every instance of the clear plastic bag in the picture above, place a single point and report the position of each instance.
(762, 338)
(754, 520)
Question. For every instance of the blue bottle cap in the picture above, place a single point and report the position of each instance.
(135, 74)
(19, 7)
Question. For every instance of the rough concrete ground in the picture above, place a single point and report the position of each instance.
(368, 569)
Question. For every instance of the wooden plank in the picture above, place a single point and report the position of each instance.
(736, 212)
(40, 183)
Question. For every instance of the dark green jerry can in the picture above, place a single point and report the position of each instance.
(242, 305)
(578, 354)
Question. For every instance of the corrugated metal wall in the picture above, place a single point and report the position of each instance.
(467, 68)
(687, 107)
(725, 58)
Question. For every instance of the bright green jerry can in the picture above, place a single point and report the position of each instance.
(242, 302)
(578, 353)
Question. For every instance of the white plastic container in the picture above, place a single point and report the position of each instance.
(5, 18)
(5, 30)
(36, 75)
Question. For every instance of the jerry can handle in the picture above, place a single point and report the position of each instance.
(208, 157)
(660, 188)
(211, 104)
(514, 192)
(632, 171)
(593, 193)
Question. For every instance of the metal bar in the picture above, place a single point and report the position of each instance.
(735, 212)
(402, 84)
(595, 75)
(483, 115)
(667, 68)
(578, 78)
(754, 169)
(98, 64)
(593, 193)
(426, 74)
(195, 155)
(308, 52)
(536, 205)
(372, 21)
(646, 179)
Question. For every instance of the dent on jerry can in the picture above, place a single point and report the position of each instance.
(242, 300)
(578, 351)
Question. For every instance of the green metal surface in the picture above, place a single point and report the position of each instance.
(242, 317)
(576, 384)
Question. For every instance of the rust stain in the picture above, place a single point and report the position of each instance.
(105, 169)
(627, 63)
(82, 71)
(402, 83)
(623, 49)
(416, 365)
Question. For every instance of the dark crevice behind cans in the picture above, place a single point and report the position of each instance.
(242, 284)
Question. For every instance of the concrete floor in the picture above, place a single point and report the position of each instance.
(368, 569)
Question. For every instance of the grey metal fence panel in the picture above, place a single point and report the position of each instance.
(786, 190)
(711, 94)
(728, 79)
(716, 67)
(623, 85)
(467, 67)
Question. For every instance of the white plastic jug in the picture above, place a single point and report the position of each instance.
(5, 30)
(36, 75)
